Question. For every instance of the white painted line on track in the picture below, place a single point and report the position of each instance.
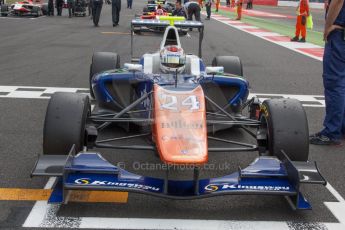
(139, 223)
(34, 92)
(297, 45)
(260, 34)
(239, 26)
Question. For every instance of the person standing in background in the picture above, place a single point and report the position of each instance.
(129, 4)
(179, 11)
(115, 11)
(70, 4)
(217, 5)
(232, 4)
(89, 7)
(228, 3)
(333, 77)
(249, 4)
(208, 4)
(239, 9)
(58, 5)
(50, 8)
(96, 11)
(301, 23)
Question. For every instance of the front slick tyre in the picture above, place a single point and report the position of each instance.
(285, 125)
(64, 124)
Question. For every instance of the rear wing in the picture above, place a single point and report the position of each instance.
(138, 24)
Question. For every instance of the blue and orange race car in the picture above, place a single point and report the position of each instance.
(181, 111)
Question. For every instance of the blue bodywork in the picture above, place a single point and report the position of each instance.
(142, 83)
(266, 175)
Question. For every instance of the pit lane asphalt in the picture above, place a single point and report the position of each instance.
(57, 51)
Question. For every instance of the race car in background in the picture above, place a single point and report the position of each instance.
(168, 7)
(34, 8)
(184, 109)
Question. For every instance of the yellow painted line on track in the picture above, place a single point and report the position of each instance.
(18, 194)
(117, 33)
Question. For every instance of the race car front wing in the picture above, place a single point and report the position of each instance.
(266, 175)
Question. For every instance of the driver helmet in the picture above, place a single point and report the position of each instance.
(173, 59)
(159, 10)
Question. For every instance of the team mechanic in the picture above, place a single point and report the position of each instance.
(333, 76)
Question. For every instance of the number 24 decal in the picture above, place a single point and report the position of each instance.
(172, 104)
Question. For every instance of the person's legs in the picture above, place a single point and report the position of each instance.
(303, 28)
(94, 7)
(97, 13)
(69, 9)
(113, 13)
(208, 11)
(239, 12)
(343, 126)
(334, 83)
(130, 4)
(298, 29)
(334, 86)
(298, 25)
(197, 13)
(117, 16)
(190, 15)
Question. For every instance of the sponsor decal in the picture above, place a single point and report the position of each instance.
(264, 110)
(181, 138)
(88, 181)
(181, 125)
(213, 187)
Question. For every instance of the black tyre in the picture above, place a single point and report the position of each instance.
(231, 64)
(102, 61)
(145, 10)
(64, 124)
(4, 10)
(285, 125)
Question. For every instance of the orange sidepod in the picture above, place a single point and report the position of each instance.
(179, 129)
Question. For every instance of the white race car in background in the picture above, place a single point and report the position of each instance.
(24, 8)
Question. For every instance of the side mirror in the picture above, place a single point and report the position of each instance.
(213, 70)
(133, 67)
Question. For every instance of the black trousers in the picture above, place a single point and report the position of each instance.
(50, 8)
(96, 11)
(90, 7)
(194, 9)
(70, 9)
(115, 11)
(59, 9)
(129, 4)
(208, 10)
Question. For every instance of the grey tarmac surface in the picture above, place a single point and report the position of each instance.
(56, 52)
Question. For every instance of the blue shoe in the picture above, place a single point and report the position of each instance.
(319, 139)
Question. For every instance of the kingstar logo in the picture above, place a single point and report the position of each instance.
(214, 187)
(88, 181)
(181, 125)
